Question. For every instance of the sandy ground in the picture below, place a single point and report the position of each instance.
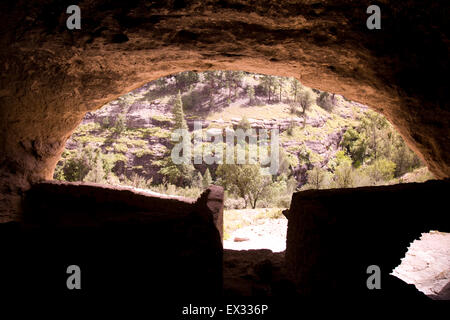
(426, 264)
(271, 234)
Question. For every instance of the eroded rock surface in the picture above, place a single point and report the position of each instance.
(335, 235)
(427, 265)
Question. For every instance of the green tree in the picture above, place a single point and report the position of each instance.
(184, 80)
(244, 180)
(197, 181)
(296, 87)
(372, 126)
(207, 179)
(251, 94)
(325, 101)
(78, 165)
(305, 102)
(380, 171)
(280, 87)
(318, 178)
(268, 84)
(97, 173)
(405, 160)
(244, 124)
(120, 125)
(355, 145)
(344, 175)
(178, 113)
(178, 174)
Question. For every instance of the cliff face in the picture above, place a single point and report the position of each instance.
(52, 76)
(147, 120)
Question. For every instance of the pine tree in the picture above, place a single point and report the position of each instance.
(296, 86)
(97, 174)
(178, 113)
(207, 179)
(197, 182)
(179, 174)
(251, 94)
(268, 82)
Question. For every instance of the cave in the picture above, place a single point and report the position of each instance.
(52, 76)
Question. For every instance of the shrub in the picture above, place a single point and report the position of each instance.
(120, 125)
(120, 147)
(380, 170)
(244, 124)
(191, 100)
(106, 123)
(231, 203)
(325, 101)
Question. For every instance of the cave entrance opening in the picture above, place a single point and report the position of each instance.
(324, 141)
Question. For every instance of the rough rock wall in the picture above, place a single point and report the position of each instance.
(124, 242)
(50, 76)
(334, 235)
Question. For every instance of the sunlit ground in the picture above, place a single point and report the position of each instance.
(427, 265)
(263, 228)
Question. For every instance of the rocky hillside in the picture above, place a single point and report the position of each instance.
(128, 141)
(134, 130)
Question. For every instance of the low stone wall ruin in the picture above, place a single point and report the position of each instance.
(334, 235)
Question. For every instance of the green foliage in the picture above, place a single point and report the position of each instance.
(106, 123)
(143, 152)
(167, 188)
(380, 170)
(178, 114)
(120, 125)
(59, 173)
(78, 164)
(318, 178)
(197, 181)
(344, 175)
(372, 152)
(244, 180)
(178, 174)
(137, 181)
(120, 147)
(191, 100)
(296, 87)
(184, 80)
(306, 100)
(405, 160)
(325, 101)
(268, 86)
(87, 164)
(154, 132)
(207, 179)
(97, 174)
(213, 80)
(355, 144)
(244, 124)
(376, 139)
(251, 94)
